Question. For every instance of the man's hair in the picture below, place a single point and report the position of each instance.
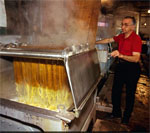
(132, 18)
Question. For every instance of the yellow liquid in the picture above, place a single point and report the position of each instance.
(42, 83)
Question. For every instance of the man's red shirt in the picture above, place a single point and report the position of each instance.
(128, 45)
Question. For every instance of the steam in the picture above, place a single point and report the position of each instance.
(64, 23)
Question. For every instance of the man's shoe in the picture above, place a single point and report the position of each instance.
(112, 116)
(125, 121)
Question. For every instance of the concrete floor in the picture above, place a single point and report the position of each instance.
(140, 116)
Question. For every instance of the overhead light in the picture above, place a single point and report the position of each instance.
(148, 11)
(145, 24)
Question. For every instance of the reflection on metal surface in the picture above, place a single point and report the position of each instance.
(41, 52)
(42, 118)
(9, 125)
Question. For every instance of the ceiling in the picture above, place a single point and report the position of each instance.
(140, 6)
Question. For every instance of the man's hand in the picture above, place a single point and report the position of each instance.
(115, 53)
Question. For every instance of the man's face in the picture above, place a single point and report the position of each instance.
(127, 25)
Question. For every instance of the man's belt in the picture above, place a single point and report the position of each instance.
(122, 61)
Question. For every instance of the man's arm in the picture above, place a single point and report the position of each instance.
(134, 58)
(107, 40)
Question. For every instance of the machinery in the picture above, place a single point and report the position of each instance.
(49, 66)
(47, 88)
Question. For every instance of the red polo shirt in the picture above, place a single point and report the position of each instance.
(128, 45)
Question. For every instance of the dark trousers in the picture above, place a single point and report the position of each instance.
(126, 73)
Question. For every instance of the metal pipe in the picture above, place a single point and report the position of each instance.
(32, 54)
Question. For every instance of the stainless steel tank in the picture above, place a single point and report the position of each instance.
(48, 84)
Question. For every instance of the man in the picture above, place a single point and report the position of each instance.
(127, 70)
